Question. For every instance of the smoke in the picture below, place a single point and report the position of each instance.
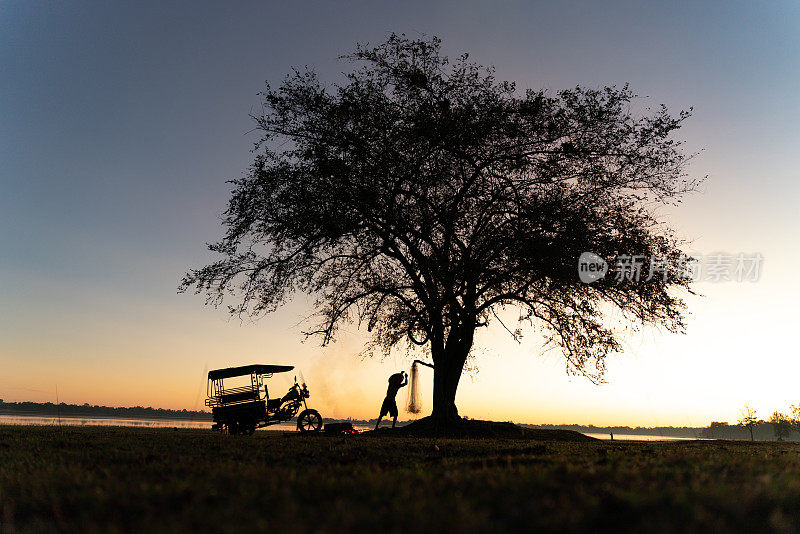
(343, 384)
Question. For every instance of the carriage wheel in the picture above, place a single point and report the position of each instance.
(233, 428)
(309, 421)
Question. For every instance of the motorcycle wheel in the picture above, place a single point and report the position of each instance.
(309, 421)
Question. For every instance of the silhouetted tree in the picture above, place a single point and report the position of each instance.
(794, 416)
(781, 425)
(420, 197)
(749, 420)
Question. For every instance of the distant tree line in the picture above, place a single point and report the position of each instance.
(761, 430)
(88, 410)
(779, 426)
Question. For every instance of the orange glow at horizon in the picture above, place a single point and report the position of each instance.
(660, 379)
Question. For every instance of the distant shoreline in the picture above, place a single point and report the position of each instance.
(55, 415)
(763, 431)
(49, 409)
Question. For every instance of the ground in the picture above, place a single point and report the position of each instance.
(112, 479)
(427, 427)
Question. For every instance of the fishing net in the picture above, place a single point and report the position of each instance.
(414, 393)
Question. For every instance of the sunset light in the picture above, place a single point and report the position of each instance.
(610, 239)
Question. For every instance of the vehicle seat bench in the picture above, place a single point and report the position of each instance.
(241, 396)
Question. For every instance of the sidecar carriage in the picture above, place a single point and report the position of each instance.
(241, 408)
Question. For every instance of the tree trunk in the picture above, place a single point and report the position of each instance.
(446, 375)
(448, 362)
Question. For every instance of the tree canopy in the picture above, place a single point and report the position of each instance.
(420, 197)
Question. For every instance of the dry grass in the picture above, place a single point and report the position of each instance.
(112, 479)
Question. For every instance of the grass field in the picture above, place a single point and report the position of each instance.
(114, 479)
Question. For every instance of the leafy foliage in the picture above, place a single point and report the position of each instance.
(781, 425)
(421, 196)
(749, 419)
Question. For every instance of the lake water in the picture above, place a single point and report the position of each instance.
(187, 423)
(47, 420)
(100, 421)
(638, 437)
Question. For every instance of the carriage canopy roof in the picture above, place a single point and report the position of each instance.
(259, 368)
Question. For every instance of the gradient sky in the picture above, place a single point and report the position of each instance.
(121, 122)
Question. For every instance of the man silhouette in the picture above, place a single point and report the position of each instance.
(389, 406)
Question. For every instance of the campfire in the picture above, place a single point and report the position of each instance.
(340, 429)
